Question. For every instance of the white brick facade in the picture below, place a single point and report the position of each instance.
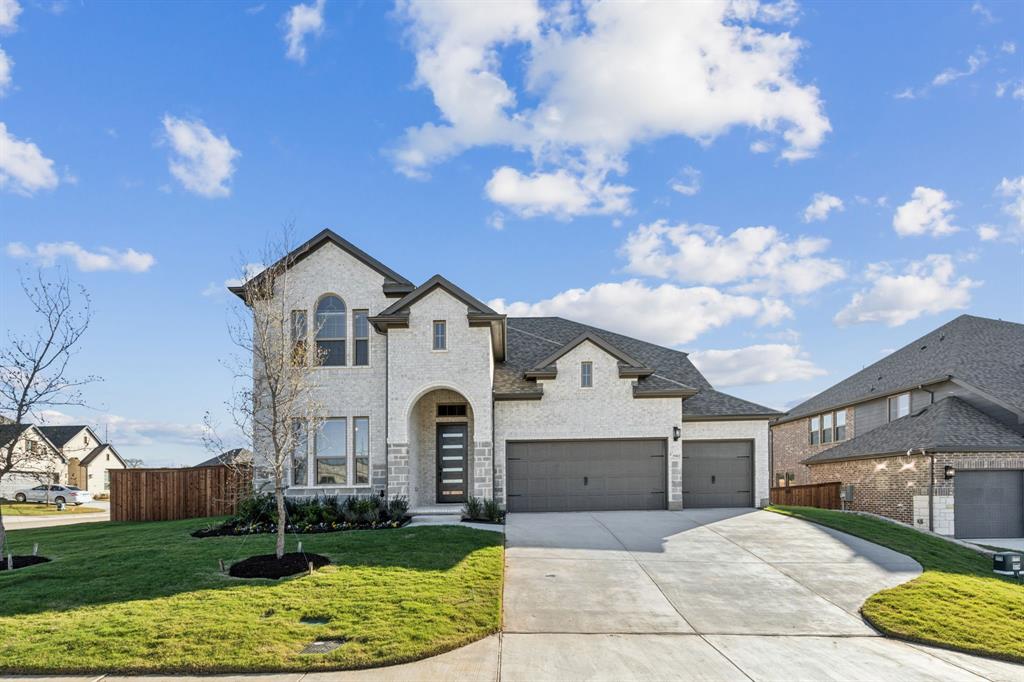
(406, 379)
(568, 411)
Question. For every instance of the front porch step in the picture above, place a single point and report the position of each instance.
(436, 509)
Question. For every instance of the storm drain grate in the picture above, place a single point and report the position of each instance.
(323, 646)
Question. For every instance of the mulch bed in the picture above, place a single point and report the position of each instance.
(493, 523)
(23, 561)
(269, 566)
(230, 529)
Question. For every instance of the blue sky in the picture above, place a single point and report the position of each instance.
(674, 172)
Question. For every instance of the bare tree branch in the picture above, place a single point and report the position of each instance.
(34, 368)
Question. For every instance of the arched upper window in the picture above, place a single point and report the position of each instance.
(330, 330)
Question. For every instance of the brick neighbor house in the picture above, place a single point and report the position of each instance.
(433, 395)
(954, 400)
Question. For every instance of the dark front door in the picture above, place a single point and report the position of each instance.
(718, 474)
(590, 475)
(452, 462)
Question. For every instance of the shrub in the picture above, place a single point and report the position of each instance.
(257, 509)
(398, 507)
(367, 510)
(474, 508)
(492, 511)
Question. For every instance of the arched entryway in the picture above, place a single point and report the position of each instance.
(441, 450)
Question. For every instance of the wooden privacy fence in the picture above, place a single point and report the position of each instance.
(821, 495)
(168, 494)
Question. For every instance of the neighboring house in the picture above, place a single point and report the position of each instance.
(957, 394)
(433, 395)
(229, 458)
(36, 459)
(89, 460)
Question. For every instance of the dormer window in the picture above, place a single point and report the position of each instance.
(440, 335)
(587, 374)
(899, 406)
(330, 331)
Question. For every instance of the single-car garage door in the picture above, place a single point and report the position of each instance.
(593, 475)
(718, 473)
(17, 480)
(988, 504)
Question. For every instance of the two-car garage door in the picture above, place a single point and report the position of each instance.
(586, 475)
(598, 475)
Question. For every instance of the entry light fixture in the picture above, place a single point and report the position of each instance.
(949, 471)
(677, 433)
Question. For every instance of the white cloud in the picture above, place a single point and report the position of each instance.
(560, 193)
(303, 20)
(927, 286)
(249, 270)
(760, 364)
(1009, 47)
(46, 254)
(687, 182)
(760, 147)
(988, 233)
(821, 205)
(753, 259)
(23, 168)
(121, 430)
(6, 66)
(774, 311)
(906, 93)
(204, 163)
(1012, 189)
(496, 220)
(1017, 91)
(9, 11)
(984, 12)
(599, 78)
(929, 211)
(974, 62)
(665, 314)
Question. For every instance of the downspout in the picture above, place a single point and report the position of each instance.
(387, 423)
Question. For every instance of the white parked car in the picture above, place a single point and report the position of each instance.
(68, 494)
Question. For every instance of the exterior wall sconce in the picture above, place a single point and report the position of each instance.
(949, 471)
(677, 433)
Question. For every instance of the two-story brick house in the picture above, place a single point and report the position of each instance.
(431, 394)
(954, 400)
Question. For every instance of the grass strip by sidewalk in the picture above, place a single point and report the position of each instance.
(957, 602)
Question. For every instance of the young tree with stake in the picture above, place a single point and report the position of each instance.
(275, 403)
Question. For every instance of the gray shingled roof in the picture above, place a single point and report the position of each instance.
(9, 432)
(986, 353)
(950, 425)
(60, 435)
(532, 339)
(228, 458)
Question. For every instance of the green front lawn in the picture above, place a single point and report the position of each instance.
(147, 597)
(39, 509)
(957, 603)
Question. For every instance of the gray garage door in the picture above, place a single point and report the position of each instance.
(564, 475)
(718, 473)
(988, 504)
(15, 481)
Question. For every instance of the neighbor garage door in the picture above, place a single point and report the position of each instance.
(563, 475)
(718, 474)
(15, 481)
(988, 504)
